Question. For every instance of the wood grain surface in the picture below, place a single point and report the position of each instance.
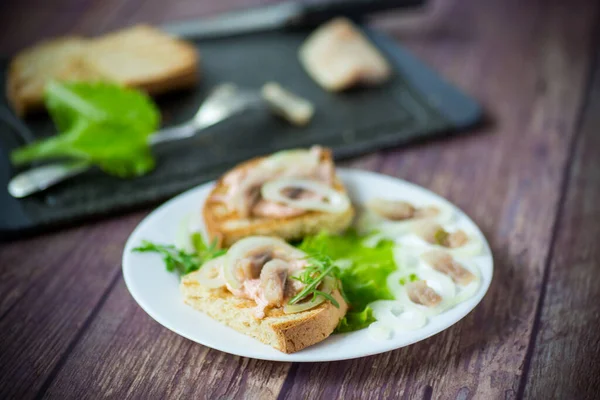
(529, 177)
(567, 346)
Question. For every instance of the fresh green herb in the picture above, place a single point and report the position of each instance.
(320, 267)
(411, 278)
(180, 261)
(441, 237)
(102, 123)
(199, 245)
(364, 280)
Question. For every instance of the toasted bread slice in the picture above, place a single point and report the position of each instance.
(140, 57)
(285, 332)
(338, 56)
(30, 70)
(226, 227)
(145, 58)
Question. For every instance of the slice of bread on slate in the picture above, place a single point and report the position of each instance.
(144, 57)
(226, 226)
(141, 57)
(31, 69)
(285, 332)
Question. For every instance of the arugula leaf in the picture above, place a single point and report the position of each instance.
(205, 250)
(364, 281)
(180, 261)
(320, 267)
(103, 123)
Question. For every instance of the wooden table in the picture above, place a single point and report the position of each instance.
(530, 178)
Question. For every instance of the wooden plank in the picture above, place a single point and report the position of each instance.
(508, 178)
(527, 62)
(125, 353)
(476, 357)
(50, 288)
(565, 354)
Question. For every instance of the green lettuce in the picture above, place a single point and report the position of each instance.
(364, 277)
(102, 123)
(355, 320)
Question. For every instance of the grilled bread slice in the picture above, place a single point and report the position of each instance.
(225, 226)
(285, 332)
(141, 56)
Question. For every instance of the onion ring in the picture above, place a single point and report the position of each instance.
(326, 287)
(330, 200)
(242, 248)
(210, 273)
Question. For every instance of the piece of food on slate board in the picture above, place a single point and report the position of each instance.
(293, 108)
(142, 57)
(289, 194)
(338, 56)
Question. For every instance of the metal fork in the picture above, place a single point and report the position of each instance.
(224, 101)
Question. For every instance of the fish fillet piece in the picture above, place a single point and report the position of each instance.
(338, 56)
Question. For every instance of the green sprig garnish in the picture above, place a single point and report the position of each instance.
(411, 278)
(180, 261)
(441, 237)
(313, 275)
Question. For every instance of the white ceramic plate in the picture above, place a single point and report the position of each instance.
(157, 290)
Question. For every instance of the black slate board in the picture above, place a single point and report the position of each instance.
(416, 104)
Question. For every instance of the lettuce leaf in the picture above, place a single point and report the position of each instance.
(355, 320)
(364, 281)
(103, 123)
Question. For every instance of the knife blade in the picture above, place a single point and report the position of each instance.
(287, 15)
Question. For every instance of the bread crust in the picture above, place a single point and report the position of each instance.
(145, 58)
(218, 220)
(285, 332)
(142, 57)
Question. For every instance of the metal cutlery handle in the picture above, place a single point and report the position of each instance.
(40, 178)
(178, 132)
(225, 101)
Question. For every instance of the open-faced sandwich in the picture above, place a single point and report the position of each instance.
(290, 194)
(269, 290)
(286, 268)
(263, 286)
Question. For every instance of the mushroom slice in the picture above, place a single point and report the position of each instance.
(395, 210)
(427, 212)
(251, 266)
(243, 259)
(419, 293)
(434, 233)
(457, 239)
(444, 263)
